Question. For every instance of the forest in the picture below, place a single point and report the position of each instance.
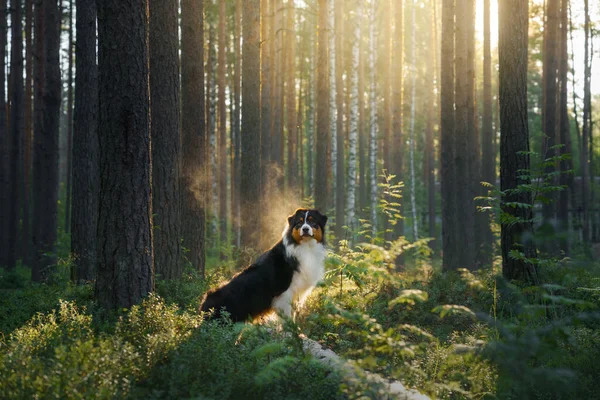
(152, 149)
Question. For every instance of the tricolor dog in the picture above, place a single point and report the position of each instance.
(280, 277)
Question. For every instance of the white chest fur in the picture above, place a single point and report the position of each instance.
(311, 267)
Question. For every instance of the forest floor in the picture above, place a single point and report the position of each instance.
(448, 335)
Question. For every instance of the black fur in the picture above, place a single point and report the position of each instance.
(250, 293)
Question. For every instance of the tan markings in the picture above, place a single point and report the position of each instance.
(318, 234)
(296, 235)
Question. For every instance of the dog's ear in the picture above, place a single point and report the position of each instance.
(322, 217)
(291, 219)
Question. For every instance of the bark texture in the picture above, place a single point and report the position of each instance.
(193, 123)
(448, 174)
(4, 183)
(17, 107)
(512, 47)
(69, 182)
(85, 145)
(125, 248)
(322, 172)
(488, 159)
(372, 121)
(164, 92)
(353, 132)
(222, 128)
(46, 151)
(250, 187)
(550, 90)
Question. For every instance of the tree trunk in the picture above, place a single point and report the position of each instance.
(194, 188)
(386, 60)
(16, 134)
(40, 161)
(69, 160)
(512, 47)
(450, 221)
(322, 172)
(429, 170)
(338, 135)
(85, 145)
(265, 103)
(564, 136)
(164, 93)
(250, 188)
(373, 119)
(46, 152)
(277, 93)
(363, 151)
(413, 73)
(353, 132)
(125, 246)
(4, 137)
(222, 111)
(211, 105)
(237, 144)
(310, 117)
(488, 158)
(292, 118)
(586, 130)
(480, 222)
(549, 110)
(397, 144)
(26, 244)
(463, 128)
(332, 147)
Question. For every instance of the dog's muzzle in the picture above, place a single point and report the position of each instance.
(306, 230)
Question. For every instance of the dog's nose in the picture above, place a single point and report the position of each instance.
(305, 230)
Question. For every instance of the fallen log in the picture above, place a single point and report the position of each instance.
(394, 389)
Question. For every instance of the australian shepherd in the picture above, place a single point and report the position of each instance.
(281, 277)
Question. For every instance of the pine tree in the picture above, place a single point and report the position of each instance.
(448, 142)
(194, 188)
(250, 158)
(68, 183)
(45, 211)
(165, 132)
(125, 245)
(221, 173)
(488, 159)
(17, 106)
(322, 172)
(85, 145)
(512, 51)
(4, 182)
(26, 243)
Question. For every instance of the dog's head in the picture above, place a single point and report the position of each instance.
(307, 224)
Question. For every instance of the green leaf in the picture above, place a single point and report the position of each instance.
(408, 296)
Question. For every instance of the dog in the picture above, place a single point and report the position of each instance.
(281, 277)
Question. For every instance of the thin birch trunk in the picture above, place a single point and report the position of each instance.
(339, 136)
(413, 73)
(332, 99)
(373, 118)
(353, 133)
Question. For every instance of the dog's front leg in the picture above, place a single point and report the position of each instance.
(283, 303)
